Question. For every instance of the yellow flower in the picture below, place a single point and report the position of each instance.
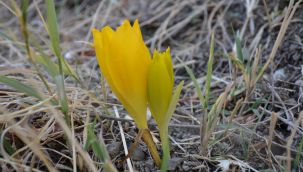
(124, 60)
(160, 86)
(162, 102)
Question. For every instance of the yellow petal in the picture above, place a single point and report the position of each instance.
(169, 64)
(137, 29)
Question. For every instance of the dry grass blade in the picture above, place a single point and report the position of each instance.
(252, 127)
(272, 126)
(29, 138)
(290, 141)
(10, 116)
(267, 14)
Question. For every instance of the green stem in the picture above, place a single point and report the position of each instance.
(165, 148)
(109, 167)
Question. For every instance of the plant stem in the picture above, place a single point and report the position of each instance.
(148, 140)
(109, 167)
(165, 148)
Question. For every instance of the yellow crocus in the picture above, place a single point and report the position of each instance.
(160, 85)
(162, 102)
(124, 60)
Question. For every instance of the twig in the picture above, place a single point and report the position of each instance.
(290, 141)
(273, 122)
(129, 164)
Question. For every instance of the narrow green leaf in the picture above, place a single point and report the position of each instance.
(239, 49)
(24, 6)
(8, 147)
(51, 67)
(209, 69)
(67, 69)
(99, 149)
(196, 84)
(237, 63)
(173, 102)
(54, 36)
(30, 91)
(298, 154)
(98, 146)
(217, 108)
(62, 95)
(52, 26)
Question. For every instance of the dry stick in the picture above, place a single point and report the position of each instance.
(290, 140)
(74, 155)
(212, 15)
(267, 14)
(175, 142)
(255, 67)
(129, 164)
(249, 7)
(24, 167)
(7, 7)
(273, 122)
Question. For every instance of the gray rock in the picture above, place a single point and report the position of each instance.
(138, 154)
(114, 149)
(185, 167)
(173, 163)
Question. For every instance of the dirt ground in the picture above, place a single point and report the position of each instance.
(249, 141)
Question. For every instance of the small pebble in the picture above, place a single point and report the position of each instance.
(173, 163)
(114, 149)
(138, 155)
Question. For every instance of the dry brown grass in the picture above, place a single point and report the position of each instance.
(258, 128)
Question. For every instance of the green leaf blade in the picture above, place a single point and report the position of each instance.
(28, 90)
